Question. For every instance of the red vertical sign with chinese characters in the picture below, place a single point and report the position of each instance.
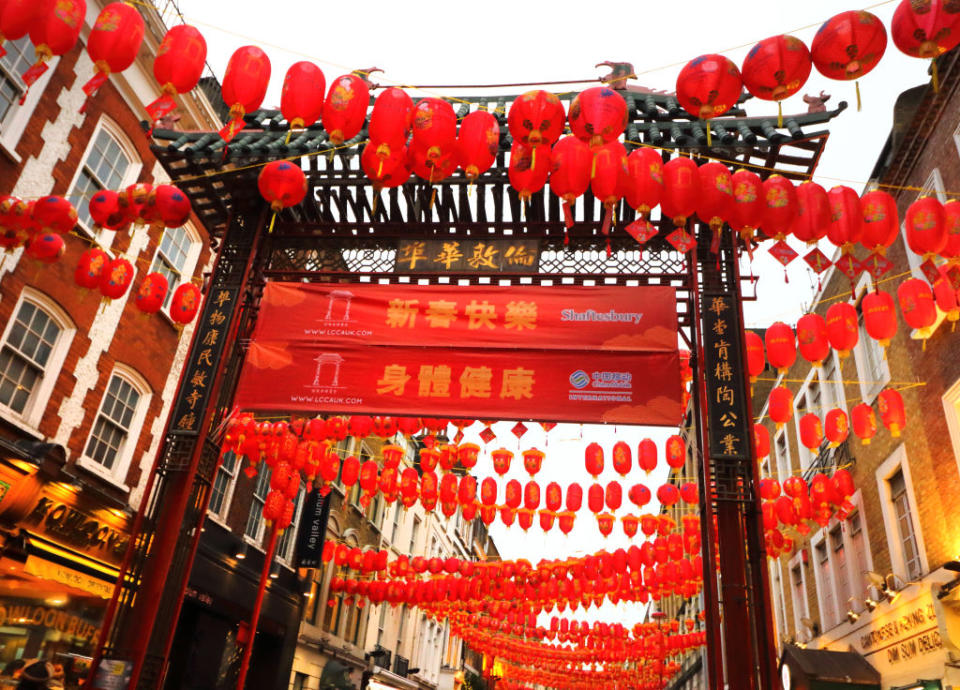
(566, 353)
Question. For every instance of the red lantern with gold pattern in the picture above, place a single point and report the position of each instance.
(468, 454)
(748, 202)
(689, 493)
(571, 161)
(846, 218)
(613, 495)
(879, 316)
(116, 278)
(593, 459)
(598, 116)
(553, 497)
(90, 267)
(501, 460)
(881, 221)
(529, 168)
(488, 491)
(716, 195)
(681, 190)
(478, 142)
(948, 301)
(574, 498)
(781, 346)
(185, 303)
(609, 167)
(114, 42)
(925, 226)
(177, 67)
(54, 30)
(54, 214)
(643, 184)
(836, 427)
(926, 28)
(547, 518)
(448, 456)
(761, 441)
(756, 361)
(780, 405)
(434, 126)
(303, 94)
(951, 219)
(513, 494)
(152, 292)
(892, 413)
(350, 472)
(345, 109)
(917, 306)
(812, 339)
(605, 524)
(777, 67)
(467, 490)
(668, 495)
(565, 521)
(780, 207)
(282, 184)
(813, 213)
(630, 523)
(864, 423)
(647, 455)
(849, 45)
(244, 86)
(536, 117)
(811, 431)
(525, 518)
(843, 330)
(532, 460)
(639, 495)
(531, 495)
(676, 452)
(709, 86)
(622, 458)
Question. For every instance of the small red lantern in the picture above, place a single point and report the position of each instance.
(177, 67)
(881, 222)
(917, 306)
(780, 405)
(598, 116)
(15, 19)
(54, 214)
(574, 499)
(532, 460)
(639, 495)
(846, 218)
(843, 330)
(301, 100)
(926, 28)
(925, 226)
(643, 184)
(681, 191)
(811, 432)
(777, 68)
(613, 496)
(848, 46)
(350, 472)
(748, 203)
(647, 455)
(360, 426)
(812, 339)
(488, 491)
(566, 520)
(185, 303)
(554, 497)
(546, 519)
(709, 86)
(478, 142)
(668, 495)
(755, 357)
(716, 195)
(761, 441)
(595, 498)
(114, 42)
(244, 85)
(166, 206)
(390, 121)
(836, 427)
(467, 491)
(501, 460)
(892, 413)
(609, 168)
(536, 117)
(864, 423)
(676, 452)
(605, 524)
(282, 184)
(90, 268)
(630, 523)
(385, 173)
(116, 278)
(813, 213)
(105, 210)
(951, 218)
(946, 297)
(151, 293)
(467, 454)
(345, 110)
(531, 495)
(513, 494)
(781, 346)
(434, 126)
(780, 206)
(769, 488)
(525, 518)
(593, 459)
(622, 458)
(689, 493)
(54, 30)
(879, 316)
(529, 168)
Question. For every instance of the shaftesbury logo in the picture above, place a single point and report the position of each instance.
(327, 374)
(338, 301)
(579, 379)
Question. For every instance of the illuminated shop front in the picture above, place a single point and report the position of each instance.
(60, 548)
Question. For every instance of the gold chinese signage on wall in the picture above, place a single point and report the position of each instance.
(468, 256)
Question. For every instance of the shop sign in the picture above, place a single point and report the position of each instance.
(727, 429)
(113, 674)
(313, 530)
(24, 614)
(909, 634)
(77, 528)
(468, 256)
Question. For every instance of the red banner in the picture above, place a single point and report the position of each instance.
(561, 317)
(544, 385)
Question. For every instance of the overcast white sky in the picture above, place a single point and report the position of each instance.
(443, 42)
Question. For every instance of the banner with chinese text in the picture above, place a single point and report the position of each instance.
(544, 385)
(560, 317)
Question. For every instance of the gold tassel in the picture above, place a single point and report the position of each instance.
(859, 103)
(709, 138)
(272, 221)
(935, 76)
(433, 197)
(533, 159)
(289, 134)
(779, 113)
(376, 198)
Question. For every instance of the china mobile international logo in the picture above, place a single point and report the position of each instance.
(601, 386)
(604, 316)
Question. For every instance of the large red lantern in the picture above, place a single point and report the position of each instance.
(15, 19)
(926, 29)
(185, 303)
(813, 213)
(513, 494)
(951, 218)
(777, 68)
(780, 207)
(501, 460)
(676, 452)
(748, 203)
(947, 297)
(761, 441)
(917, 306)
(681, 191)
(609, 167)
(529, 168)
(881, 222)
(836, 427)
(385, 173)
(613, 496)
(152, 293)
(90, 268)
(53, 214)
(668, 495)
(593, 459)
(478, 142)
(434, 126)
(892, 414)
(301, 100)
(781, 346)
(709, 86)
(536, 117)
(282, 184)
(177, 67)
(843, 328)
(244, 85)
(598, 115)
(925, 226)
(639, 495)
(864, 423)
(643, 183)
(570, 172)
(54, 30)
(848, 46)
(716, 195)
(116, 278)
(114, 42)
(595, 498)
(780, 405)
(879, 316)
(812, 339)
(622, 458)
(345, 109)
(846, 218)
(811, 432)
(755, 357)
(553, 497)
(574, 498)
(166, 206)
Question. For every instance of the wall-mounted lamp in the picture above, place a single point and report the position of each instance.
(241, 552)
(870, 604)
(274, 571)
(890, 588)
(852, 615)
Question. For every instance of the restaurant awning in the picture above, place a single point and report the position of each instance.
(822, 669)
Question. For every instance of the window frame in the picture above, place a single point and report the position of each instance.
(951, 410)
(785, 463)
(863, 588)
(803, 609)
(105, 237)
(826, 591)
(33, 411)
(807, 458)
(121, 467)
(221, 517)
(868, 390)
(189, 263)
(898, 460)
(14, 123)
(257, 541)
(286, 559)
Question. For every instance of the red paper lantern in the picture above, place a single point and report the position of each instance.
(390, 121)
(709, 86)
(385, 173)
(467, 491)
(780, 405)
(525, 518)
(513, 494)
(811, 432)
(345, 109)
(676, 452)
(114, 42)
(434, 126)
(795, 487)
(639, 495)
(748, 203)
(951, 218)
(105, 210)
(843, 330)
(892, 414)
(166, 206)
(566, 520)
(716, 195)
(360, 426)
(926, 28)
(761, 441)
(846, 218)
(881, 222)
(946, 297)
(681, 191)
(532, 460)
(90, 268)
(631, 524)
(777, 67)
(917, 306)
(54, 30)
(755, 357)
(609, 167)
(781, 346)
(53, 214)
(116, 278)
(647, 455)
(849, 45)
(780, 206)
(244, 85)
(488, 491)
(433, 169)
(282, 184)
(598, 116)
(16, 225)
(448, 488)
(350, 471)
(468, 454)
(15, 19)
(605, 524)
(531, 495)
(152, 292)
(593, 459)
(301, 100)
(478, 143)
(769, 488)
(622, 458)
(177, 67)
(536, 117)
(501, 460)
(689, 493)
(864, 423)
(571, 161)
(812, 339)
(642, 186)
(613, 496)
(133, 200)
(926, 228)
(813, 213)
(595, 498)
(668, 495)
(546, 519)
(574, 499)
(879, 316)
(554, 497)
(836, 427)
(185, 303)
(529, 168)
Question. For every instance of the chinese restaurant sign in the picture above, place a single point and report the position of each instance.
(565, 317)
(468, 256)
(726, 399)
(313, 530)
